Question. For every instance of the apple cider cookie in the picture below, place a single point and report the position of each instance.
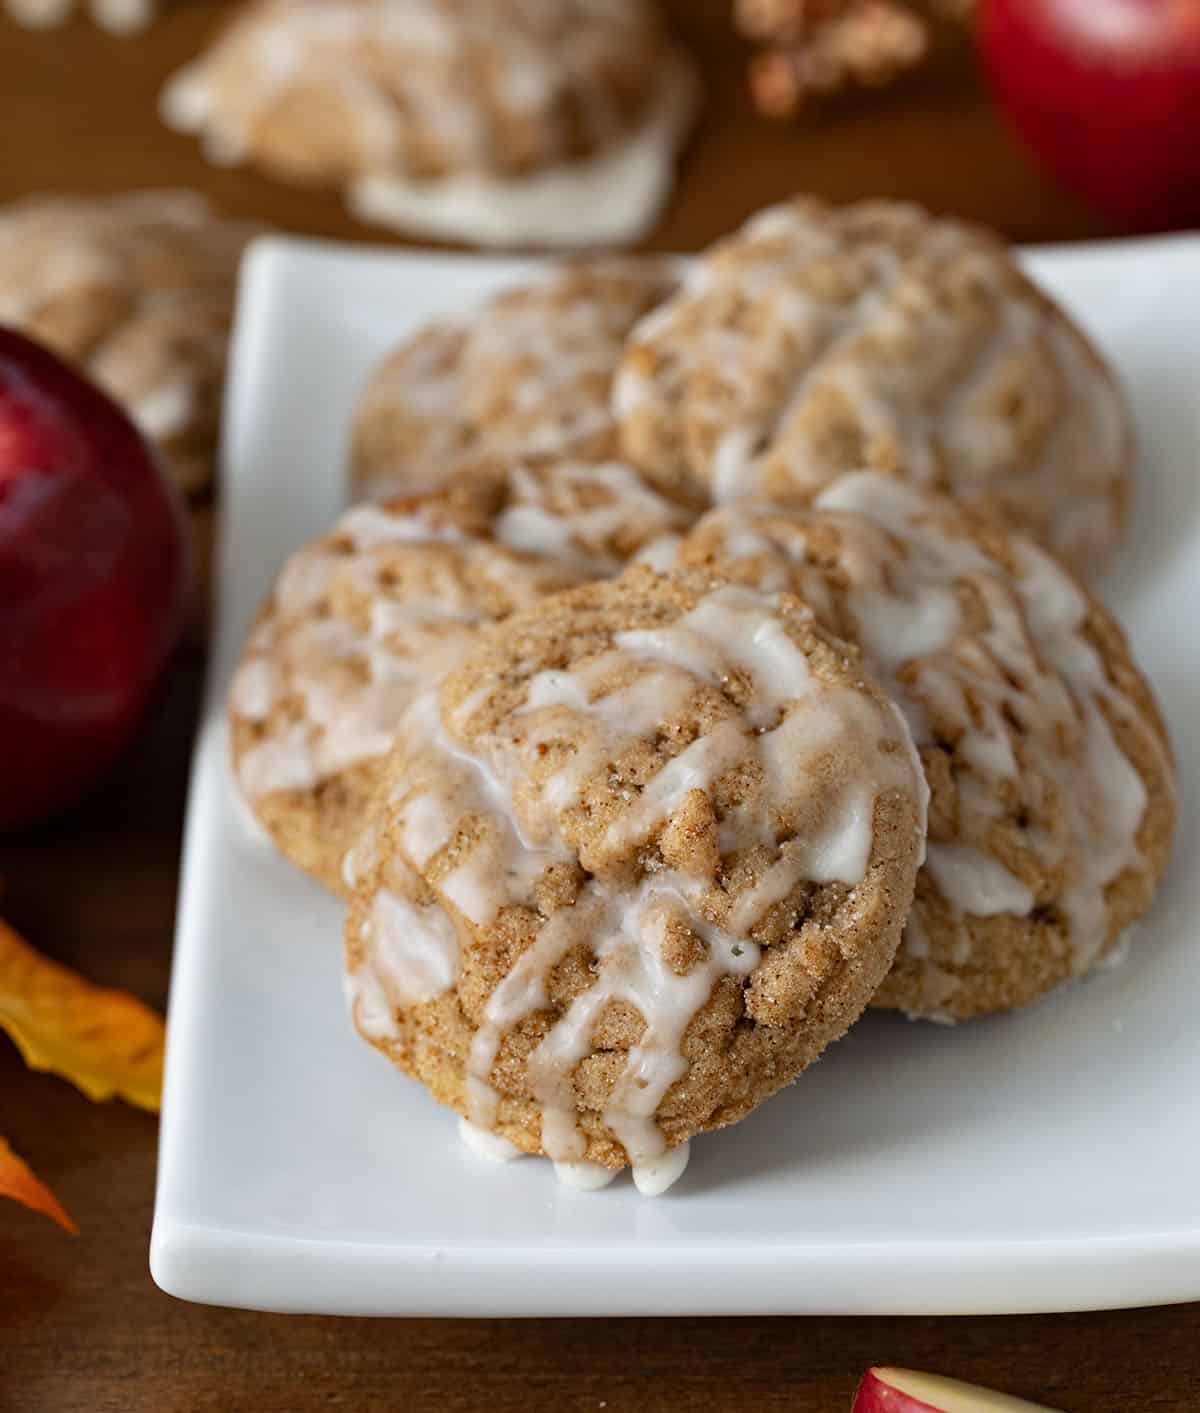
(359, 620)
(116, 16)
(531, 122)
(1050, 771)
(137, 290)
(819, 340)
(527, 375)
(638, 860)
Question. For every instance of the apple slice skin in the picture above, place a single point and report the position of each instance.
(1107, 94)
(94, 574)
(884, 1390)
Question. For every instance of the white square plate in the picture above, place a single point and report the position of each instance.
(1048, 1160)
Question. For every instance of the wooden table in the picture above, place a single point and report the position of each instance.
(81, 1325)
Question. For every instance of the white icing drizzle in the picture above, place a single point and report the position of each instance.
(1026, 698)
(281, 762)
(361, 857)
(487, 1144)
(413, 950)
(611, 199)
(367, 526)
(252, 828)
(626, 933)
(407, 953)
(661, 553)
(164, 411)
(973, 881)
(368, 1005)
(824, 754)
(586, 1177)
(528, 375)
(652, 1179)
(916, 337)
(1118, 954)
(573, 512)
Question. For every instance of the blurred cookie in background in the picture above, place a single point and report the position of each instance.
(494, 122)
(116, 16)
(137, 290)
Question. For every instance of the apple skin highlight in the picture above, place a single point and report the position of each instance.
(1107, 94)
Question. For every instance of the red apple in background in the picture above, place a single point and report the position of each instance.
(1107, 93)
(906, 1391)
(93, 581)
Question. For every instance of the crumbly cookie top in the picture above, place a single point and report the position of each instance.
(335, 88)
(820, 340)
(592, 516)
(1049, 768)
(528, 375)
(643, 798)
(360, 620)
(138, 289)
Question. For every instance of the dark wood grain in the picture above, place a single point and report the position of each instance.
(81, 1325)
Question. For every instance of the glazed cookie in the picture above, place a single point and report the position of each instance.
(358, 621)
(138, 290)
(1052, 803)
(591, 516)
(640, 858)
(528, 375)
(819, 340)
(116, 16)
(545, 122)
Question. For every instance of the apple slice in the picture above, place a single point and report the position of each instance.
(906, 1391)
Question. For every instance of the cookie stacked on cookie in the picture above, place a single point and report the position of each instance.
(528, 376)
(822, 340)
(708, 671)
(1049, 768)
(665, 831)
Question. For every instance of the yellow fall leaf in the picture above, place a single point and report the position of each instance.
(18, 1181)
(105, 1042)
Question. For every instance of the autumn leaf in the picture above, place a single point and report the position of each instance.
(104, 1041)
(18, 1181)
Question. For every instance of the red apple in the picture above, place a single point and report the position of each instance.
(1107, 93)
(93, 581)
(906, 1391)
